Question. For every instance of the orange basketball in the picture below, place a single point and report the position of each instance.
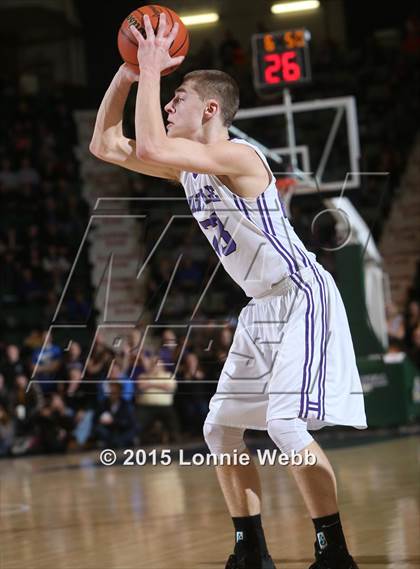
(127, 43)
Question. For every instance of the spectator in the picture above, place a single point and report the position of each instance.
(77, 308)
(50, 307)
(55, 263)
(54, 425)
(6, 431)
(30, 289)
(169, 349)
(80, 400)
(189, 274)
(395, 322)
(4, 393)
(100, 360)
(73, 356)
(115, 420)
(415, 342)
(140, 356)
(116, 374)
(193, 402)
(8, 178)
(25, 404)
(73, 392)
(224, 343)
(411, 43)
(12, 366)
(412, 320)
(27, 174)
(46, 362)
(155, 399)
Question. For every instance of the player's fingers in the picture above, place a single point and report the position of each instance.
(172, 35)
(150, 34)
(162, 26)
(137, 35)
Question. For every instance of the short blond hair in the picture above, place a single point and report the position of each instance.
(212, 83)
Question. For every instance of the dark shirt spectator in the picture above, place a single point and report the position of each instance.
(54, 425)
(12, 365)
(6, 431)
(73, 356)
(115, 420)
(30, 289)
(25, 404)
(192, 395)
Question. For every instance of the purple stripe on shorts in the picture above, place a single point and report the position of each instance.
(309, 316)
(304, 258)
(324, 339)
(309, 289)
(323, 346)
(309, 344)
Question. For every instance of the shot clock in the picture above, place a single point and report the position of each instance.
(280, 59)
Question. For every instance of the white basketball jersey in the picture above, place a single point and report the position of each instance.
(252, 237)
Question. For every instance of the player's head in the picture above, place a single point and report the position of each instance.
(205, 97)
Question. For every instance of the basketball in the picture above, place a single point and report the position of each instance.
(127, 43)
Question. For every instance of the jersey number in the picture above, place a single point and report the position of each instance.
(230, 247)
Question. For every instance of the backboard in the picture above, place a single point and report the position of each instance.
(315, 141)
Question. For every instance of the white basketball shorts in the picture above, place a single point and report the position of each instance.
(291, 356)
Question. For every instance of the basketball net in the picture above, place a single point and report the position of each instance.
(290, 185)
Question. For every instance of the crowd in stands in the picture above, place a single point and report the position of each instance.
(140, 392)
(404, 326)
(135, 394)
(42, 214)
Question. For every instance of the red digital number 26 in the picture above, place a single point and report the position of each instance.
(284, 61)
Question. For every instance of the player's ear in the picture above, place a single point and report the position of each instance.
(211, 108)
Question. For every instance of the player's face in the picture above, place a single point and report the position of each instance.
(185, 113)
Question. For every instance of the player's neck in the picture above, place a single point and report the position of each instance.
(211, 135)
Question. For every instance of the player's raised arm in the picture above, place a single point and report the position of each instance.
(108, 141)
(153, 145)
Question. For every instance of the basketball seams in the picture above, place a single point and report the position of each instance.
(140, 12)
(182, 45)
(156, 9)
(186, 38)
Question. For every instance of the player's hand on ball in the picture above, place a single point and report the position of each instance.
(153, 51)
(127, 73)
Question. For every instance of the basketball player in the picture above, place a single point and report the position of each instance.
(291, 366)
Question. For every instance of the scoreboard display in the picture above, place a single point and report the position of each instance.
(280, 59)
